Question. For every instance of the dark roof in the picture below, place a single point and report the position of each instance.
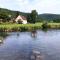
(23, 17)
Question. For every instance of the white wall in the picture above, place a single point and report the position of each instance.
(24, 22)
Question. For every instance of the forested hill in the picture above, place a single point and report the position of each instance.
(40, 16)
(47, 16)
(11, 12)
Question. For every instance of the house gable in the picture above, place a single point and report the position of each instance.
(21, 18)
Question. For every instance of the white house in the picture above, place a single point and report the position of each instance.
(22, 19)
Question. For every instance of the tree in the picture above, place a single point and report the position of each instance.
(45, 25)
(4, 16)
(56, 20)
(33, 16)
(29, 18)
(17, 13)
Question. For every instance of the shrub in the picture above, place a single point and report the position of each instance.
(45, 25)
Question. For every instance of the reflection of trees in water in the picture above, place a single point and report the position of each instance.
(45, 30)
(34, 34)
(2, 36)
(18, 34)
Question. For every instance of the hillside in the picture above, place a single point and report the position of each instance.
(47, 16)
(12, 13)
(40, 16)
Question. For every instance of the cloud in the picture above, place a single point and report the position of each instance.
(42, 6)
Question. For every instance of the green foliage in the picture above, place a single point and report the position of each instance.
(4, 14)
(17, 13)
(56, 20)
(34, 15)
(45, 25)
(9, 27)
(19, 22)
(4, 17)
(48, 17)
(19, 27)
(31, 17)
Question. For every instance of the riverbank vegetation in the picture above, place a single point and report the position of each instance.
(9, 27)
(19, 27)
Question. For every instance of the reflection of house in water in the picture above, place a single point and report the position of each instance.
(34, 33)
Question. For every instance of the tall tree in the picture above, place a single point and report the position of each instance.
(17, 13)
(29, 18)
(34, 15)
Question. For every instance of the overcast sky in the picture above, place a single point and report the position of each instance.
(42, 6)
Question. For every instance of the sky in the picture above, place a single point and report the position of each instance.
(42, 6)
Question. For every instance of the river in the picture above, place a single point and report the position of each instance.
(19, 45)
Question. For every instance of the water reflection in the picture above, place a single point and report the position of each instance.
(24, 45)
(18, 34)
(45, 30)
(2, 36)
(36, 55)
(34, 34)
(1, 40)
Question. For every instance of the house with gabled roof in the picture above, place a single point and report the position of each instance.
(21, 19)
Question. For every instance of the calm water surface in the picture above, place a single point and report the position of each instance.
(19, 45)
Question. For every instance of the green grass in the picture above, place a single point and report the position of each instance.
(19, 27)
(9, 27)
(54, 25)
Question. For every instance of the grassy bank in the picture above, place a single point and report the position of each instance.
(54, 25)
(19, 27)
(26, 27)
